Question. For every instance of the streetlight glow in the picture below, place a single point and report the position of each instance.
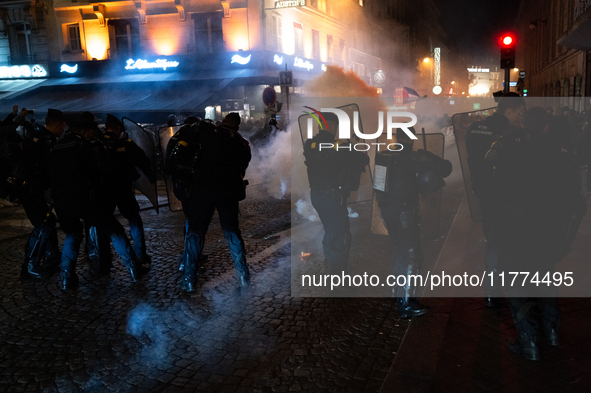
(426, 60)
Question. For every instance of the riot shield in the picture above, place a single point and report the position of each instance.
(430, 204)
(165, 133)
(141, 138)
(461, 122)
(364, 192)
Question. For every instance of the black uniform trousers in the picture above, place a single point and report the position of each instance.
(124, 199)
(402, 221)
(203, 204)
(331, 205)
(528, 244)
(43, 239)
(70, 212)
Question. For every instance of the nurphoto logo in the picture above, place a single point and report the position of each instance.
(344, 132)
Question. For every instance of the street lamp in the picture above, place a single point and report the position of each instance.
(426, 60)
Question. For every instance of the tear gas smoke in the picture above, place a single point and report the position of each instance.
(336, 82)
(270, 167)
(144, 324)
(306, 210)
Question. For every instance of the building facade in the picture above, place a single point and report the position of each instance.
(159, 53)
(554, 51)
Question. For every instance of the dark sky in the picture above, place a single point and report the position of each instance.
(475, 25)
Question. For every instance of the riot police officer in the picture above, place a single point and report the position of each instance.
(181, 153)
(333, 173)
(479, 138)
(126, 156)
(218, 184)
(409, 173)
(33, 182)
(538, 191)
(77, 169)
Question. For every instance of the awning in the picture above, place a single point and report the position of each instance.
(117, 97)
(137, 92)
(13, 86)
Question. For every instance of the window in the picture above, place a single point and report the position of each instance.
(74, 37)
(124, 36)
(298, 34)
(20, 44)
(329, 48)
(209, 37)
(315, 44)
(342, 52)
(277, 33)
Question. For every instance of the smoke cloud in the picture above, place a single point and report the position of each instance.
(144, 324)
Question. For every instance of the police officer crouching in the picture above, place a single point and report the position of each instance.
(219, 171)
(333, 173)
(409, 173)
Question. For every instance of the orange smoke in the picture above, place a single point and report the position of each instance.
(335, 82)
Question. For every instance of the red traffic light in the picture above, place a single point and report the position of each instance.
(507, 40)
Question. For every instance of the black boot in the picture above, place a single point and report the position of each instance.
(32, 270)
(494, 302)
(188, 281)
(551, 332)
(409, 307)
(68, 280)
(526, 345)
(244, 278)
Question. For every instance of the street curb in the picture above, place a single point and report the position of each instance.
(285, 239)
(415, 363)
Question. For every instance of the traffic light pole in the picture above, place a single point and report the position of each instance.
(507, 80)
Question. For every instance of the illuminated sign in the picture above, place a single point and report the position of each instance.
(512, 84)
(141, 64)
(290, 3)
(69, 69)
(478, 70)
(379, 77)
(278, 59)
(240, 60)
(301, 63)
(23, 71)
(437, 90)
(437, 67)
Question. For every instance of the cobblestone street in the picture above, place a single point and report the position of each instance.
(113, 335)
